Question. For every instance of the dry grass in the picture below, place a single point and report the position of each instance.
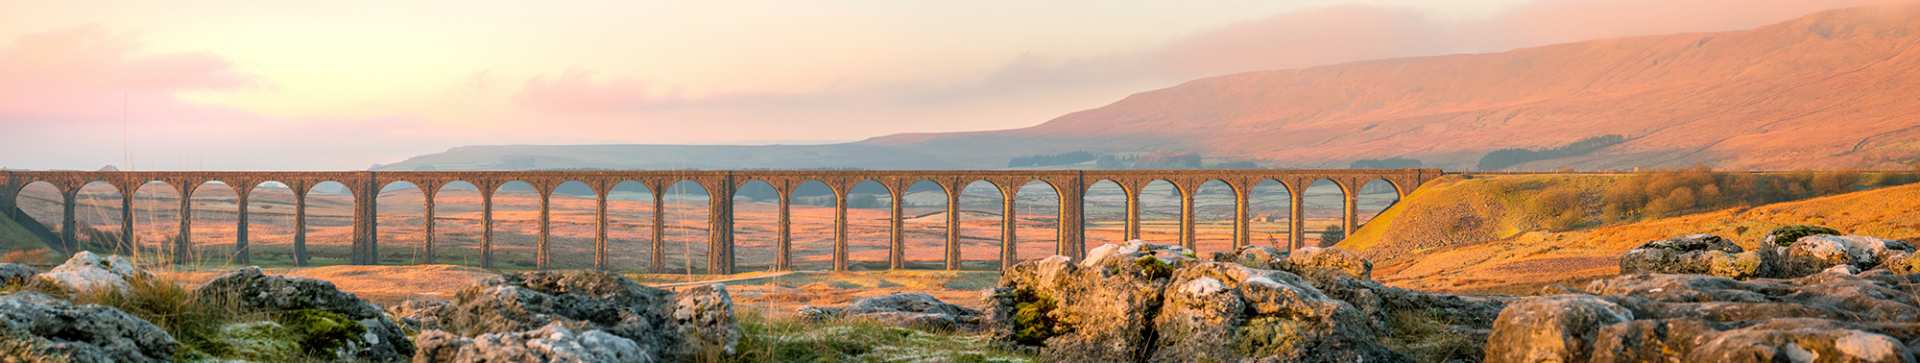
(1524, 262)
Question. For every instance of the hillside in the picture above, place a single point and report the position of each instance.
(1493, 246)
(1764, 98)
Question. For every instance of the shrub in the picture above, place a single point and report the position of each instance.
(1559, 208)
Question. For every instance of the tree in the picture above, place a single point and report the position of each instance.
(1333, 234)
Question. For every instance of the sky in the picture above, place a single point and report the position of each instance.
(343, 85)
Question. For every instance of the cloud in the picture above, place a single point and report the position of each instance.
(86, 73)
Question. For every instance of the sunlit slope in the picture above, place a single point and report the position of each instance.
(1525, 261)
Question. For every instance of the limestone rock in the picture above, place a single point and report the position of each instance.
(1800, 340)
(1227, 312)
(1098, 310)
(1558, 328)
(38, 328)
(1815, 253)
(551, 343)
(249, 288)
(1787, 235)
(907, 309)
(704, 316)
(15, 274)
(86, 271)
(1695, 254)
(421, 314)
(666, 327)
(1261, 257)
(1312, 260)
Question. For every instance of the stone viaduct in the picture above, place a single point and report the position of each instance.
(1070, 186)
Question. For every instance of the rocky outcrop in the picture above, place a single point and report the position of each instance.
(551, 343)
(1139, 302)
(663, 326)
(1815, 253)
(1228, 312)
(1834, 311)
(1559, 328)
(38, 328)
(1100, 309)
(1787, 235)
(15, 274)
(907, 309)
(86, 271)
(704, 316)
(379, 338)
(421, 314)
(1698, 254)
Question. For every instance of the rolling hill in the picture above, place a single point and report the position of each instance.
(1828, 90)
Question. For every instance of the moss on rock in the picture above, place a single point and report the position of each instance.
(322, 333)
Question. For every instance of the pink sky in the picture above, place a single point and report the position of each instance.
(342, 85)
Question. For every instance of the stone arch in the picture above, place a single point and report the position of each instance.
(687, 230)
(1104, 207)
(516, 225)
(630, 226)
(98, 212)
(924, 224)
(156, 221)
(1037, 229)
(401, 212)
(572, 222)
(215, 217)
(811, 205)
(869, 212)
(457, 217)
(270, 214)
(1160, 211)
(756, 212)
(1324, 203)
(45, 203)
(1270, 214)
(1214, 206)
(330, 206)
(981, 208)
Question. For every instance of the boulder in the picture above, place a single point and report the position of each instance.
(15, 274)
(551, 343)
(704, 316)
(1558, 328)
(1787, 235)
(1227, 312)
(665, 327)
(1100, 309)
(86, 271)
(421, 314)
(379, 338)
(1694, 254)
(1799, 340)
(1315, 260)
(1261, 257)
(906, 309)
(38, 328)
(1816, 253)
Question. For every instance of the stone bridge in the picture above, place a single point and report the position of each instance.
(1069, 185)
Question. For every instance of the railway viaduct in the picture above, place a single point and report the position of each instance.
(1070, 186)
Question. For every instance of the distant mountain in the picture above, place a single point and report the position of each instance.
(1833, 89)
(524, 157)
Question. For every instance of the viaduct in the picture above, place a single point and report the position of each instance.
(1070, 186)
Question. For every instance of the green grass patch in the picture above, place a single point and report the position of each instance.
(795, 340)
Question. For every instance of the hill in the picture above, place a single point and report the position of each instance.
(1490, 243)
(1766, 98)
